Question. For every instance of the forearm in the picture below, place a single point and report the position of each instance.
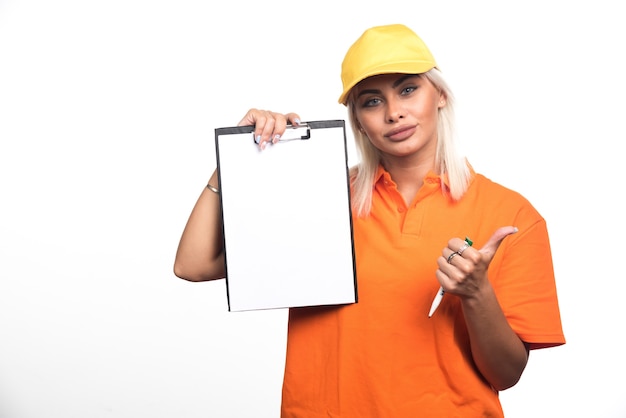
(200, 254)
(497, 350)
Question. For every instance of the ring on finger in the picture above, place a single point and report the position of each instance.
(463, 248)
(451, 256)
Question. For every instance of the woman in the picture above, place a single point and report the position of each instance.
(414, 200)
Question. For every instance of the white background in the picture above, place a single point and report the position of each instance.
(107, 118)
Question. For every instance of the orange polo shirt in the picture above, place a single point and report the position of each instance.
(383, 357)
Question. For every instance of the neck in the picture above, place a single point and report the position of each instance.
(409, 177)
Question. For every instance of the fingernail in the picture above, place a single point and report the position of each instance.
(297, 121)
(276, 139)
(257, 139)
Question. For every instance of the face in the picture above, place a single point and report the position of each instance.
(398, 113)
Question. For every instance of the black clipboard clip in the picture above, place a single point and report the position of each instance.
(293, 133)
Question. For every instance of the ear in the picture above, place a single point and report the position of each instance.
(442, 101)
(358, 126)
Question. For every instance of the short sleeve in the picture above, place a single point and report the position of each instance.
(524, 282)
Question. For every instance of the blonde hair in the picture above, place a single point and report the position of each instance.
(449, 162)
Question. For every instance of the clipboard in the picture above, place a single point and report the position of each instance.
(287, 222)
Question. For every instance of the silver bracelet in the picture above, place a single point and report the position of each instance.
(213, 189)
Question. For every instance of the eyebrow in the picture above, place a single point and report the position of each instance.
(394, 85)
(403, 79)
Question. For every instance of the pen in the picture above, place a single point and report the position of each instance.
(436, 301)
(440, 293)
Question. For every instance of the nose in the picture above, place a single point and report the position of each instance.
(395, 111)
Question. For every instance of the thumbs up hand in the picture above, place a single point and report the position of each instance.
(463, 269)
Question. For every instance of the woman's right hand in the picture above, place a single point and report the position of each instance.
(268, 126)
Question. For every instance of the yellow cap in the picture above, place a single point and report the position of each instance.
(384, 50)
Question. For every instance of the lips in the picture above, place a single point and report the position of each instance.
(401, 133)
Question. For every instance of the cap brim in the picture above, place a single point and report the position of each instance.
(406, 67)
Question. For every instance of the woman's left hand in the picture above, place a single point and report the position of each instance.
(463, 269)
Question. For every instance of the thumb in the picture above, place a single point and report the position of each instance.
(490, 248)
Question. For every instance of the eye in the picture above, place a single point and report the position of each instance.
(408, 90)
(370, 102)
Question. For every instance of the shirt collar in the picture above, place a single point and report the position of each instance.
(383, 174)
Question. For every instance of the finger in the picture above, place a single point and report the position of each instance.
(459, 245)
(280, 126)
(263, 121)
(450, 273)
(450, 254)
(443, 279)
(496, 239)
(256, 118)
(265, 127)
(444, 273)
(293, 118)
